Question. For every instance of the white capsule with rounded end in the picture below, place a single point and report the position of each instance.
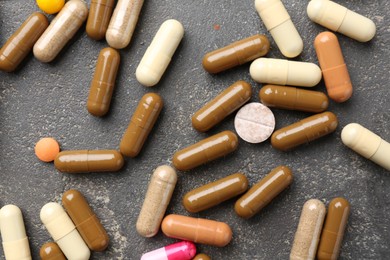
(340, 19)
(64, 232)
(159, 54)
(367, 144)
(13, 234)
(285, 72)
(278, 22)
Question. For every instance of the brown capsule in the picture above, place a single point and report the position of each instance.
(205, 151)
(141, 123)
(82, 161)
(103, 82)
(333, 231)
(51, 251)
(262, 193)
(22, 41)
(214, 193)
(304, 131)
(85, 220)
(221, 106)
(201, 257)
(236, 53)
(293, 98)
(198, 230)
(99, 17)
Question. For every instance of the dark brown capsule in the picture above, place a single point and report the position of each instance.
(99, 17)
(51, 251)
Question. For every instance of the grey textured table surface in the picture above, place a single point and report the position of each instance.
(50, 100)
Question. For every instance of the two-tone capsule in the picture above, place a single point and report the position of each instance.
(184, 250)
(304, 131)
(198, 230)
(262, 193)
(236, 53)
(99, 17)
(221, 106)
(51, 251)
(19, 45)
(207, 150)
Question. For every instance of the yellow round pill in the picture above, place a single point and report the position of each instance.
(50, 6)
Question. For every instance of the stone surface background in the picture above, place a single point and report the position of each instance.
(50, 100)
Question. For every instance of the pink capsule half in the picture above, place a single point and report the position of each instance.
(184, 250)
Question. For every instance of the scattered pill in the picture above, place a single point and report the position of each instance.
(221, 106)
(51, 6)
(156, 201)
(236, 54)
(85, 220)
(216, 192)
(141, 123)
(122, 24)
(103, 82)
(51, 251)
(184, 250)
(262, 193)
(285, 72)
(198, 230)
(334, 69)
(254, 122)
(19, 45)
(63, 27)
(47, 149)
(13, 233)
(99, 17)
(278, 22)
(292, 98)
(159, 54)
(64, 232)
(333, 231)
(340, 19)
(201, 257)
(308, 231)
(207, 150)
(82, 161)
(304, 131)
(367, 144)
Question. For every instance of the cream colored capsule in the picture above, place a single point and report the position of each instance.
(285, 72)
(64, 232)
(367, 144)
(156, 201)
(340, 19)
(63, 27)
(123, 22)
(308, 232)
(278, 22)
(13, 234)
(159, 54)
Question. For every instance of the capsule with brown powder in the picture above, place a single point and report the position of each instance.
(99, 17)
(304, 131)
(83, 161)
(207, 150)
(236, 53)
(51, 251)
(262, 193)
(221, 106)
(334, 228)
(19, 45)
(141, 123)
(292, 98)
(334, 70)
(103, 82)
(85, 220)
(216, 192)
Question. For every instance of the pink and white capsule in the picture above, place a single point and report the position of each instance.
(184, 250)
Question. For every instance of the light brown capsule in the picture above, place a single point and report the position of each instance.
(51, 251)
(201, 257)
(99, 16)
(103, 82)
(221, 106)
(141, 123)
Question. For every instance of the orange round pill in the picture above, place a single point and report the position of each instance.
(47, 149)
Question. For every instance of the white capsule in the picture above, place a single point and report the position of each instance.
(367, 144)
(64, 232)
(285, 72)
(159, 54)
(340, 19)
(278, 22)
(13, 234)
